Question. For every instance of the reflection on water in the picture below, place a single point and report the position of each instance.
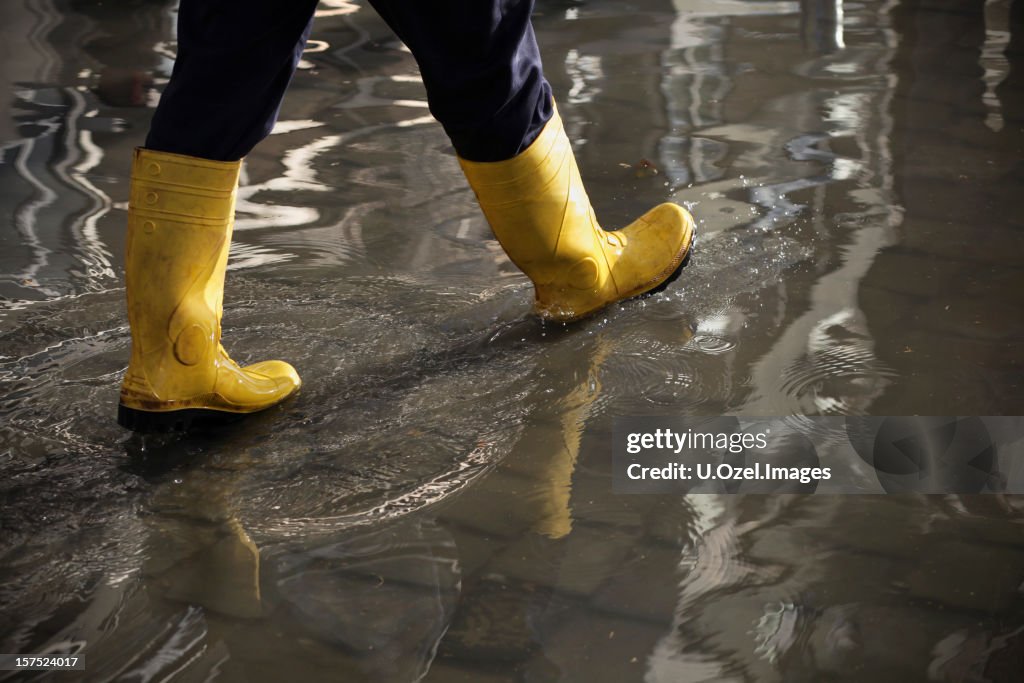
(436, 504)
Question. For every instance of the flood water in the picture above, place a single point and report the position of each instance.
(436, 504)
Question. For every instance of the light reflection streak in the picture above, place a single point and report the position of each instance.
(993, 59)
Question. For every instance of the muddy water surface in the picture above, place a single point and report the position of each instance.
(436, 504)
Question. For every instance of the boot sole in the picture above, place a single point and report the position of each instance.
(670, 279)
(189, 419)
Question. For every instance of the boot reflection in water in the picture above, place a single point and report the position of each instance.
(197, 550)
(482, 71)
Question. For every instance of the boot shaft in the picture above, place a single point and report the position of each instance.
(180, 218)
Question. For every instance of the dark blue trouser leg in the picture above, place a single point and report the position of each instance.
(481, 66)
(235, 60)
(479, 61)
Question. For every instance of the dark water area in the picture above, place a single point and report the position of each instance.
(436, 504)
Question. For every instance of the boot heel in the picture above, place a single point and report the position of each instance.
(147, 422)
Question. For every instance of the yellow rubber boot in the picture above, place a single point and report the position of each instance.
(180, 218)
(540, 213)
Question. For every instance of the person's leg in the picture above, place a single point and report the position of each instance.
(482, 70)
(235, 59)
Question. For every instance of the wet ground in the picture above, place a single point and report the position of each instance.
(436, 504)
